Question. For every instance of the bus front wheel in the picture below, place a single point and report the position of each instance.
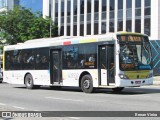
(29, 81)
(87, 84)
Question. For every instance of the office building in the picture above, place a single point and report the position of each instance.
(90, 17)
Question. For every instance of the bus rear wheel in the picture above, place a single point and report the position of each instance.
(87, 84)
(117, 89)
(29, 81)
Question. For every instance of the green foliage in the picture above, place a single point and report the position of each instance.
(21, 24)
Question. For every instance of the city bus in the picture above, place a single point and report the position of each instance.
(113, 60)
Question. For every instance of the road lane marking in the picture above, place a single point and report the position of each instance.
(18, 107)
(36, 110)
(64, 99)
(76, 118)
(2, 104)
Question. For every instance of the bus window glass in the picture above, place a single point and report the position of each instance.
(27, 59)
(16, 60)
(87, 56)
(30, 59)
(70, 57)
(41, 58)
(8, 60)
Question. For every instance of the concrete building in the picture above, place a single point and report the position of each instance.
(7, 4)
(89, 17)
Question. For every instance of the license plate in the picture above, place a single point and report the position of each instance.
(138, 82)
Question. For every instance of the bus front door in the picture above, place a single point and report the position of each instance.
(56, 67)
(106, 65)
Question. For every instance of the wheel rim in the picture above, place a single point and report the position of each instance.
(86, 84)
(29, 81)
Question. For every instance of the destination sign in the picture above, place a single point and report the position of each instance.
(130, 38)
(127, 66)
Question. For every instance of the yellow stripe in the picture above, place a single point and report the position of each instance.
(137, 74)
(87, 40)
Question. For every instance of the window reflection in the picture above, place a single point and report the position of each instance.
(103, 27)
(129, 3)
(138, 12)
(112, 5)
(120, 4)
(147, 3)
(68, 8)
(88, 6)
(147, 11)
(104, 5)
(120, 25)
(95, 28)
(129, 25)
(79, 56)
(147, 26)
(111, 26)
(96, 5)
(29, 59)
(138, 3)
(82, 7)
(138, 25)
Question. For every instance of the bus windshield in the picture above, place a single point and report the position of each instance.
(135, 55)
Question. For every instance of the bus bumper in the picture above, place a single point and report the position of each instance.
(134, 83)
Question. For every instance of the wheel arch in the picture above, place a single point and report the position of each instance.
(83, 74)
(25, 76)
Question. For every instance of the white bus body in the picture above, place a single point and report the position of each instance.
(68, 62)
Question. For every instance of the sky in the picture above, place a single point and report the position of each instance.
(35, 5)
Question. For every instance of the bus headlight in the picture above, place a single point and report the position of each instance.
(122, 76)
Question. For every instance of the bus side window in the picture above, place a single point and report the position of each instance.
(87, 56)
(41, 58)
(8, 61)
(70, 57)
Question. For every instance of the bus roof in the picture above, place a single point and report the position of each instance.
(63, 40)
(130, 33)
(66, 40)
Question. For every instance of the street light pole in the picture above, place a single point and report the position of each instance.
(50, 15)
(50, 27)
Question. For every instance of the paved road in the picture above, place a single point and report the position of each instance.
(18, 98)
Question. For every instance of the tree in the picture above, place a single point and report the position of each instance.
(20, 24)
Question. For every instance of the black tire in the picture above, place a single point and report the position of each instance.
(117, 89)
(29, 81)
(87, 84)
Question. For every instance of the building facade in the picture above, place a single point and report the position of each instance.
(90, 17)
(3, 4)
(7, 4)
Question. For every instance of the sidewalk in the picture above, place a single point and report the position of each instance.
(156, 80)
